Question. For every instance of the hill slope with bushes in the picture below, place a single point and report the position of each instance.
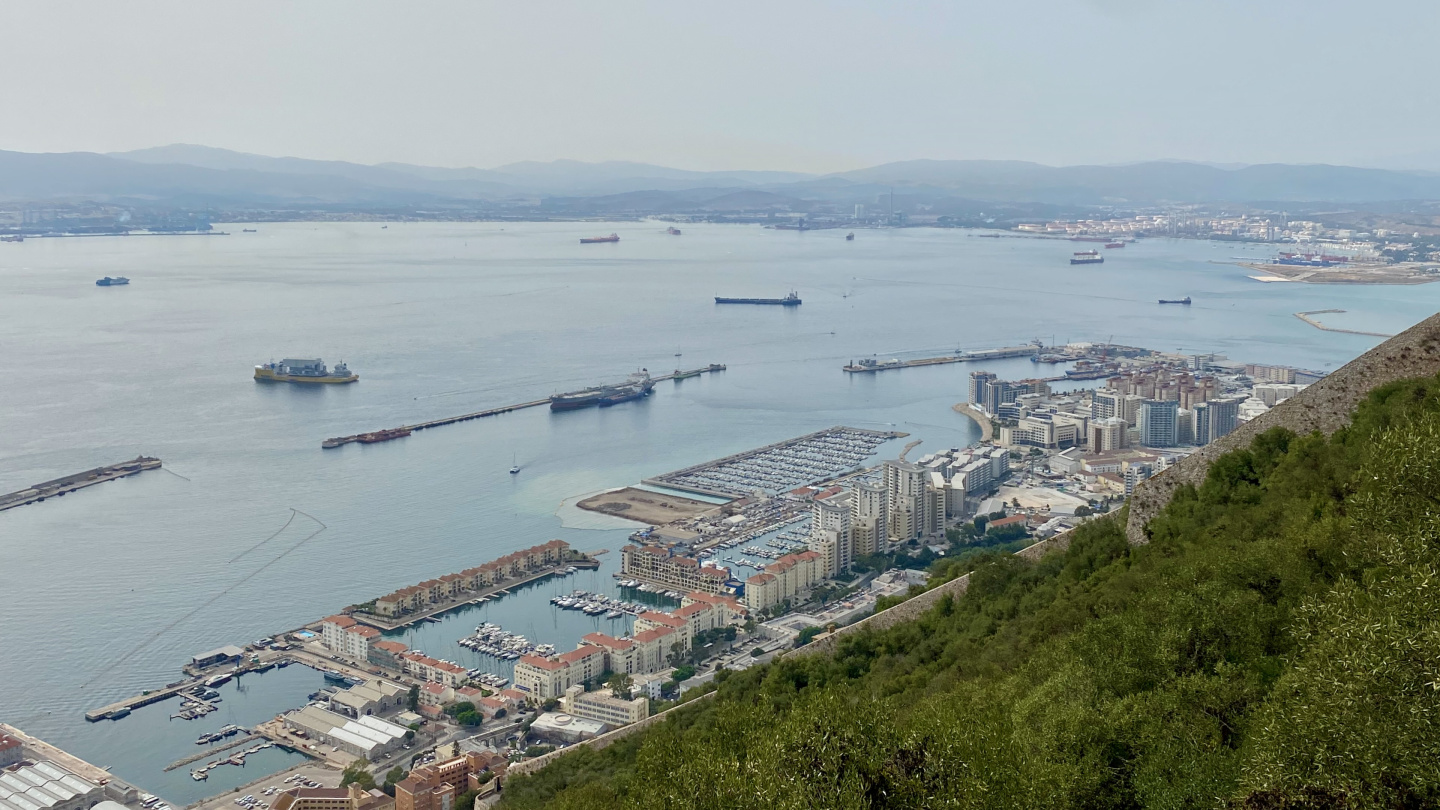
(1276, 645)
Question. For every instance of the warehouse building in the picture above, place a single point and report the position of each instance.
(366, 736)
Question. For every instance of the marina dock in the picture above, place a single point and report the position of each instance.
(871, 366)
(71, 483)
(405, 430)
(780, 466)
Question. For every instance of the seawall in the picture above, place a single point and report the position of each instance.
(1324, 406)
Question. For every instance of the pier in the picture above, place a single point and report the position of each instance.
(251, 737)
(123, 707)
(71, 483)
(405, 430)
(872, 366)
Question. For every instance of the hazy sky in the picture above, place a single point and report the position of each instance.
(784, 84)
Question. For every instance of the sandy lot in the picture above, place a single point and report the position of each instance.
(644, 506)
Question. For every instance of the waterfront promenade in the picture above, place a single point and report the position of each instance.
(987, 430)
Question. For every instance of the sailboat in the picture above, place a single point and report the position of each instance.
(514, 467)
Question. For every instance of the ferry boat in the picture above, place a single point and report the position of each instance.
(118, 281)
(592, 240)
(304, 371)
(1087, 257)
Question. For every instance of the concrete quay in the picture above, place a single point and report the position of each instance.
(71, 483)
(870, 367)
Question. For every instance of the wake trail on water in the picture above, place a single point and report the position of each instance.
(150, 639)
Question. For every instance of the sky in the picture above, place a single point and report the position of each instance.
(795, 85)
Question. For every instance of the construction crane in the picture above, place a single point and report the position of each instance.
(1105, 352)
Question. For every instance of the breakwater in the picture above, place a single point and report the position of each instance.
(872, 366)
(388, 434)
(1305, 316)
(71, 483)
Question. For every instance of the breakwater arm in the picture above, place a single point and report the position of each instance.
(70, 483)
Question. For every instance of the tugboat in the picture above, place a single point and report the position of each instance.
(850, 237)
(118, 281)
(304, 371)
(673, 231)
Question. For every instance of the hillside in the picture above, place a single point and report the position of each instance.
(198, 176)
(1274, 646)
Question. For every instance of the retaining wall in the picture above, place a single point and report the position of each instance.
(1324, 406)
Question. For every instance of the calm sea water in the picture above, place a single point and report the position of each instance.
(108, 591)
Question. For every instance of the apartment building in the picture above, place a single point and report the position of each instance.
(344, 636)
(665, 566)
(542, 678)
(603, 707)
(436, 786)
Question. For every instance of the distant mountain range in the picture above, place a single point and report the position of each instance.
(198, 176)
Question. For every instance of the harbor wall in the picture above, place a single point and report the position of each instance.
(1324, 406)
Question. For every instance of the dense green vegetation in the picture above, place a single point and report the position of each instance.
(1275, 645)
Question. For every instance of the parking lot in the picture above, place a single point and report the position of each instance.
(261, 793)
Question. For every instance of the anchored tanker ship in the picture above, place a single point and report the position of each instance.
(304, 371)
(638, 385)
(791, 300)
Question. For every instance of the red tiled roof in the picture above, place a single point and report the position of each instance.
(662, 618)
(342, 621)
(541, 662)
(578, 654)
(391, 647)
(362, 630)
(602, 640)
(653, 634)
(761, 578)
(1013, 519)
(692, 608)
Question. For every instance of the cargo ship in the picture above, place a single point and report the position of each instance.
(107, 281)
(1114, 244)
(1087, 257)
(1185, 301)
(592, 240)
(304, 371)
(791, 300)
